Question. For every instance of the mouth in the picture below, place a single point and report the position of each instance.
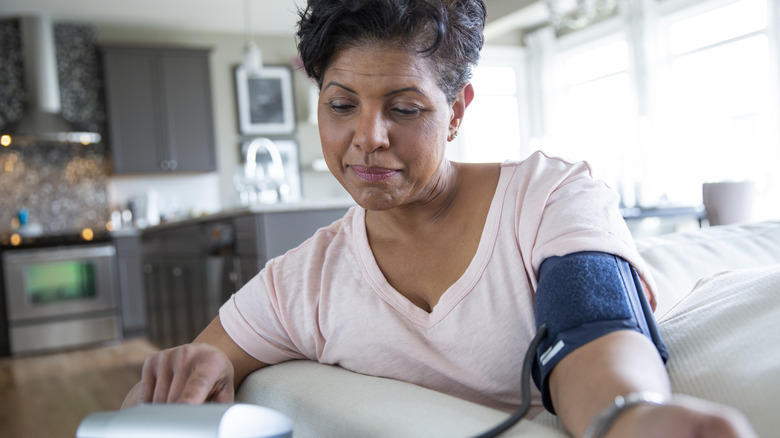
(373, 174)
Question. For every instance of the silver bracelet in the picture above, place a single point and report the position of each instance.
(601, 424)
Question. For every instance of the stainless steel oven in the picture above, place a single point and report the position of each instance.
(60, 297)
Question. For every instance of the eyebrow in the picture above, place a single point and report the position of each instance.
(390, 93)
(404, 90)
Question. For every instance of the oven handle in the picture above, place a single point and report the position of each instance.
(55, 254)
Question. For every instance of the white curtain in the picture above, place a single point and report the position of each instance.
(540, 52)
(639, 20)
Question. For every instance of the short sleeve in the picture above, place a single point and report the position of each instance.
(254, 319)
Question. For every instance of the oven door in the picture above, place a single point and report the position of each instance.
(58, 282)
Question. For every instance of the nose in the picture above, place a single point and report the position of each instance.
(371, 132)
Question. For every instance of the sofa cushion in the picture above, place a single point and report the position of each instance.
(677, 261)
(724, 343)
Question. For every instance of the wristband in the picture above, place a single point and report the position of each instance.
(601, 424)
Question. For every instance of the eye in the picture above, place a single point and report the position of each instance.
(341, 108)
(407, 111)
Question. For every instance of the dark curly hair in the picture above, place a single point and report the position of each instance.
(449, 31)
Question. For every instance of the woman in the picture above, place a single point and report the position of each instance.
(431, 279)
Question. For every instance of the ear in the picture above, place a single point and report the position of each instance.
(462, 101)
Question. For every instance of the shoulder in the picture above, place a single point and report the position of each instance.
(324, 243)
(539, 165)
(540, 179)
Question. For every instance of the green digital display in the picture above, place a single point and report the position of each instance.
(61, 281)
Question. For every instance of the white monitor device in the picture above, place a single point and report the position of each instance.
(209, 420)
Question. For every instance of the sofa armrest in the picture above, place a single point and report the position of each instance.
(329, 401)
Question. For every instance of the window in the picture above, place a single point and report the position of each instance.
(491, 130)
(687, 93)
(717, 110)
(594, 117)
(693, 99)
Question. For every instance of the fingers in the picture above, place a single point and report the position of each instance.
(688, 417)
(133, 397)
(225, 394)
(148, 379)
(193, 373)
(719, 421)
(163, 375)
(207, 380)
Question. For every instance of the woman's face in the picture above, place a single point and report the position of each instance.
(384, 124)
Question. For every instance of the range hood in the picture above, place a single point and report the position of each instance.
(42, 121)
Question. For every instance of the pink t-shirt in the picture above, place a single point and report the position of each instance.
(328, 301)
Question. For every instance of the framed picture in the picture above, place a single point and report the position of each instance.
(265, 101)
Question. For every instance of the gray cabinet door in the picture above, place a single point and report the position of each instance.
(131, 286)
(133, 109)
(189, 131)
(159, 109)
(176, 285)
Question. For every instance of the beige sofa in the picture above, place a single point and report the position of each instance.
(718, 309)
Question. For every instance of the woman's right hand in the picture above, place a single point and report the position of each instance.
(191, 373)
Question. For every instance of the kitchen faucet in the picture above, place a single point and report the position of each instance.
(275, 174)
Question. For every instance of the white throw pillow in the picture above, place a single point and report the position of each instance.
(724, 342)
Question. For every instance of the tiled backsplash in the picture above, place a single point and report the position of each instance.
(62, 186)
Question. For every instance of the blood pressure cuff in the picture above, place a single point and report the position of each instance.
(581, 297)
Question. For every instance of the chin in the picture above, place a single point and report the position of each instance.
(374, 198)
(375, 202)
(373, 205)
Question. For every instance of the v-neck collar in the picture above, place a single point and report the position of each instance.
(458, 290)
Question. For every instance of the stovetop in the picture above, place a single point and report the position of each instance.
(10, 241)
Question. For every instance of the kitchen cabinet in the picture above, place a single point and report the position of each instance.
(131, 287)
(190, 269)
(160, 114)
(174, 277)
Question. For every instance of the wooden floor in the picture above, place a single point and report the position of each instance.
(48, 395)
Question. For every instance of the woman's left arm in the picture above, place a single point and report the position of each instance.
(588, 380)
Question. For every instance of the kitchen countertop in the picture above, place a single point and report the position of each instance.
(126, 232)
(320, 204)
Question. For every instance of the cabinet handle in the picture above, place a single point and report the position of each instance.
(177, 271)
(169, 164)
(233, 277)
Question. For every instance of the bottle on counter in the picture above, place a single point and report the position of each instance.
(27, 228)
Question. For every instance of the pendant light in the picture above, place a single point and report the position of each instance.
(252, 60)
